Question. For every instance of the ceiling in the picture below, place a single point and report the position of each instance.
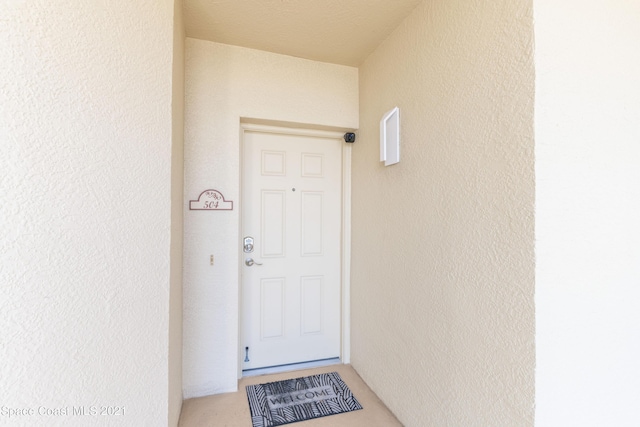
(336, 31)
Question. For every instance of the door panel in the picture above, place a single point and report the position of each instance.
(311, 304)
(273, 223)
(292, 208)
(311, 233)
(272, 308)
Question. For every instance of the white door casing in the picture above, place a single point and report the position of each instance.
(292, 207)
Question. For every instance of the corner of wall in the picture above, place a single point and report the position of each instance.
(177, 219)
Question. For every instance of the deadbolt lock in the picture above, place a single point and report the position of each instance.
(247, 245)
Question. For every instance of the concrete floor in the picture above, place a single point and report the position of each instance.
(232, 409)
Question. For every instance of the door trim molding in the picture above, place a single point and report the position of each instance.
(345, 349)
(345, 264)
(292, 131)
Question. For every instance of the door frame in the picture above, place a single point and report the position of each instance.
(345, 232)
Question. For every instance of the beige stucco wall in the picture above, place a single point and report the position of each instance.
(588, 213)
(85, 210)
(223, 84)
(443, 242)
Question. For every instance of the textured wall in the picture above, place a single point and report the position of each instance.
(223, 84)
(443, 242)
(85, 209)
(588, 211)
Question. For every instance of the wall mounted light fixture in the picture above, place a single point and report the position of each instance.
(390, 137)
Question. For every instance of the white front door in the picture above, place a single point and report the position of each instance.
(291, 210)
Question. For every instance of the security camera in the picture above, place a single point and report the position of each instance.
(349, 137)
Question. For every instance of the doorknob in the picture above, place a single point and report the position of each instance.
(249, 262)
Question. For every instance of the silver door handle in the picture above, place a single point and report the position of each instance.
(249, 262)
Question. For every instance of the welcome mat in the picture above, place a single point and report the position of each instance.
(299, 399)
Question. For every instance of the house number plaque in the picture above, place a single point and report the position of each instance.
(211, 200)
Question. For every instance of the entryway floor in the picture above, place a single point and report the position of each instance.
(232, 409)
